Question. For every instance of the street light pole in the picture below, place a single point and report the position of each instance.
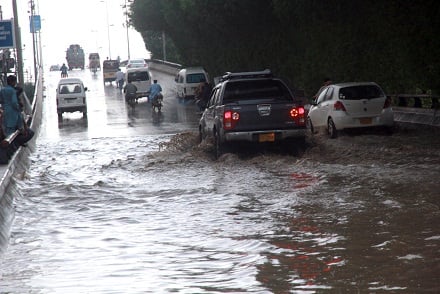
(126, 26)
(108, 29)
(33, 38)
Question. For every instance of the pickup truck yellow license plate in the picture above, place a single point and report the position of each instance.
(268, 137)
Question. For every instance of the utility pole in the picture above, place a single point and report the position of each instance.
(164, 47)
(19, 49)
(126, 26)
(33, 39)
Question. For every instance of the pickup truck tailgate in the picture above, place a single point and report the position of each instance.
(264, 116)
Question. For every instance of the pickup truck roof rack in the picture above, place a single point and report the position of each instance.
(246, 75)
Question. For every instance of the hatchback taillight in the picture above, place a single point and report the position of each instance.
(298, 115)
(387, 103)
(339, 106)
(230, 119)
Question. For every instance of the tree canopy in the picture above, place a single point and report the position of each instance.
(394, 42)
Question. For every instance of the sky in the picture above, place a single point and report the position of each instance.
(93, 24)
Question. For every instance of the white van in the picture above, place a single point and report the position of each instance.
(141, 78)
(71, 96)
(188, 79)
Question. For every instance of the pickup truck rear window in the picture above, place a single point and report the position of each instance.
(273, 90)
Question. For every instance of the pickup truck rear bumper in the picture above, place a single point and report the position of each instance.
(253, 136)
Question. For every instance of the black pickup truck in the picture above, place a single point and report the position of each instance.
(254, 107)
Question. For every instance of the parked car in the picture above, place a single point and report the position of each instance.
(350, 106)
(135, 63)
(71, 96)
(254, 107)
(188, 79)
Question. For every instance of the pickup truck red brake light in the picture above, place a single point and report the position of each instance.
(230, 119)
(298, 115)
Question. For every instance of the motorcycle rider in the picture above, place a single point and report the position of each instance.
(64, 71)
(155, 90)
(130, 91)
(119, 79)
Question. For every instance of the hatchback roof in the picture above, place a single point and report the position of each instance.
(69, 81)
(353, 84)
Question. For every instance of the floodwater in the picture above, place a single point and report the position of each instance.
(126, 204)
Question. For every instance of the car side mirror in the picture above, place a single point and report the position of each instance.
(85, 89)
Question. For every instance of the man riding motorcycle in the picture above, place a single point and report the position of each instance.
(64, 71)
(155, 90)
(155, 96)
(130, 92)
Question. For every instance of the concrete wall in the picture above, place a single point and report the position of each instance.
(18, 163)
(416, 117)
(164, 66)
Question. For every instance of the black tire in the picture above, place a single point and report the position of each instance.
(218, 146)
(331, 129)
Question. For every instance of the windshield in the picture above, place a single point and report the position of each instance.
(195, 78)
(138, 76)
(110, 64)
(70, 88)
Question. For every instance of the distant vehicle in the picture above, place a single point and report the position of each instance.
(109, 70)
(71, 97)
(350, 106)
(254, 107)
(55, 67)
(135, 63)
(141, 78)
(187, 81)
(75, 57)
(94, 62)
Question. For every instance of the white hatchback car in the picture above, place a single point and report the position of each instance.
(136, 63)
(71, 96)
(349, 106)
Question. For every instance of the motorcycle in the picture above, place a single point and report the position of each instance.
(156, 104)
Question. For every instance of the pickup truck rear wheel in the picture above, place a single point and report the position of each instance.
(218, 147)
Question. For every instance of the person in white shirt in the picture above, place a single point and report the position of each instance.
(119, 79)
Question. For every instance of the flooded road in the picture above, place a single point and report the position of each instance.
(124, 203)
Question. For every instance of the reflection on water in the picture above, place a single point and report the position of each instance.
(156, 214)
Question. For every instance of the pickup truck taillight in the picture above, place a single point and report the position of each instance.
(298, 115)
(387, 102)
(230, 119)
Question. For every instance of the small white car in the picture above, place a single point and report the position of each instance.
(350, 106)
(136, 63)
(71, 96)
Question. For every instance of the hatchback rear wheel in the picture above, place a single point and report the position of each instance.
(310, 126)
(331, 129)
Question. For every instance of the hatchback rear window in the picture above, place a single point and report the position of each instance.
(138, 76)
(70, 88)
(360, 92)
(195, 78)
(257, 89)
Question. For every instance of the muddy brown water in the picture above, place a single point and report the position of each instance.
(123, 204)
